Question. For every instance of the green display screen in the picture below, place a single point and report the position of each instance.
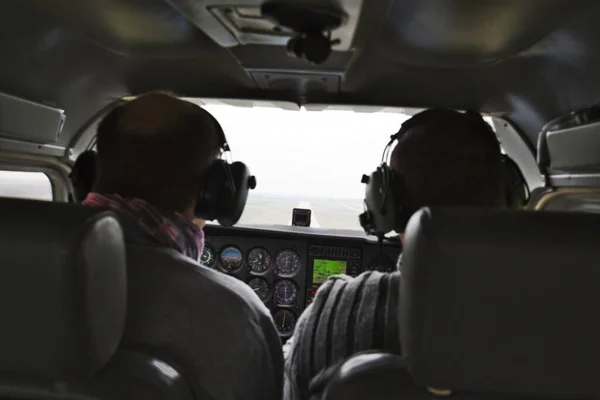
(323, 269)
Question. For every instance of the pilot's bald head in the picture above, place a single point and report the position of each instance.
(157, 148)
(450, 159)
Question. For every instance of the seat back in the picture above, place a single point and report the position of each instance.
(493, 305)
(172, 313)
(502, 302)
(136, 375)
(384, 376)
(63, 294)
(368, 375)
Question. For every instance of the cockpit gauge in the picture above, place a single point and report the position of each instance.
(208, 256)
(259, 260)
(287, 263)
(286, 292)
(260, 287)
(285, 322)
(230, 259)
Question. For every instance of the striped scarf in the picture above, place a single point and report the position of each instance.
(169, 229)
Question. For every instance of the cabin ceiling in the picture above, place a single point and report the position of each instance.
(526, 60)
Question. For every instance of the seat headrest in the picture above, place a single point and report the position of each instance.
(369, 375)
(502, 301)
(62, 289)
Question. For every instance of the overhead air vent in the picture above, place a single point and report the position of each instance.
(249, 26)
(303, 83)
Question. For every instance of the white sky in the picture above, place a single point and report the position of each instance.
(297, 153)
(292, 153)
(25, 185)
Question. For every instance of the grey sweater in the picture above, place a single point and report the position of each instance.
(347, 316)
(211, 327)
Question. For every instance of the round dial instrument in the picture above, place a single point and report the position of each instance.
(260, 287)
(259, 260)
(287, 263)
(285, 322)
(285, 292)
(208, 256)
(230, 258)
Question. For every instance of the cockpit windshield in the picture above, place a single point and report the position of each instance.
(308, 157)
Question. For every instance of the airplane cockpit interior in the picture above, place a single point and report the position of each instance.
(110, 295)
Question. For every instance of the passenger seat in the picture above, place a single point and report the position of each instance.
(493, 304)
(63, 293)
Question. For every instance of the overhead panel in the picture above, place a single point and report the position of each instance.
(240, 22)
(249, 27)
(28, 121)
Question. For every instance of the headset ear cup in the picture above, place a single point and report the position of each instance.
(516, 186)
(209, 194)
(380, 215)
(224, 192)
(83, 175)
(232, 204)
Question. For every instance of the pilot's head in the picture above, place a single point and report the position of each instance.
(157, 148)
(450, 159)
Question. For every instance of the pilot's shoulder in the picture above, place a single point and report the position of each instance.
(230, 292)
(206, 287)
(345, 285)
(340, 305)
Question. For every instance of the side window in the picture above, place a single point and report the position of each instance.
(25, 185)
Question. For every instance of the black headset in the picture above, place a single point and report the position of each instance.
(386, 208)
(222, 195)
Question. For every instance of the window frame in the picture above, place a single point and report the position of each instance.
(56, 172)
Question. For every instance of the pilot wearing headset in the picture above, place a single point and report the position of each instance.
(160, 168)
(442, 158)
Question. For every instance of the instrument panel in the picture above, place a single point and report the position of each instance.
(286, 269)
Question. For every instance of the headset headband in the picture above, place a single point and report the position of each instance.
(221, 140)
(425, 117)
(428, 117)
